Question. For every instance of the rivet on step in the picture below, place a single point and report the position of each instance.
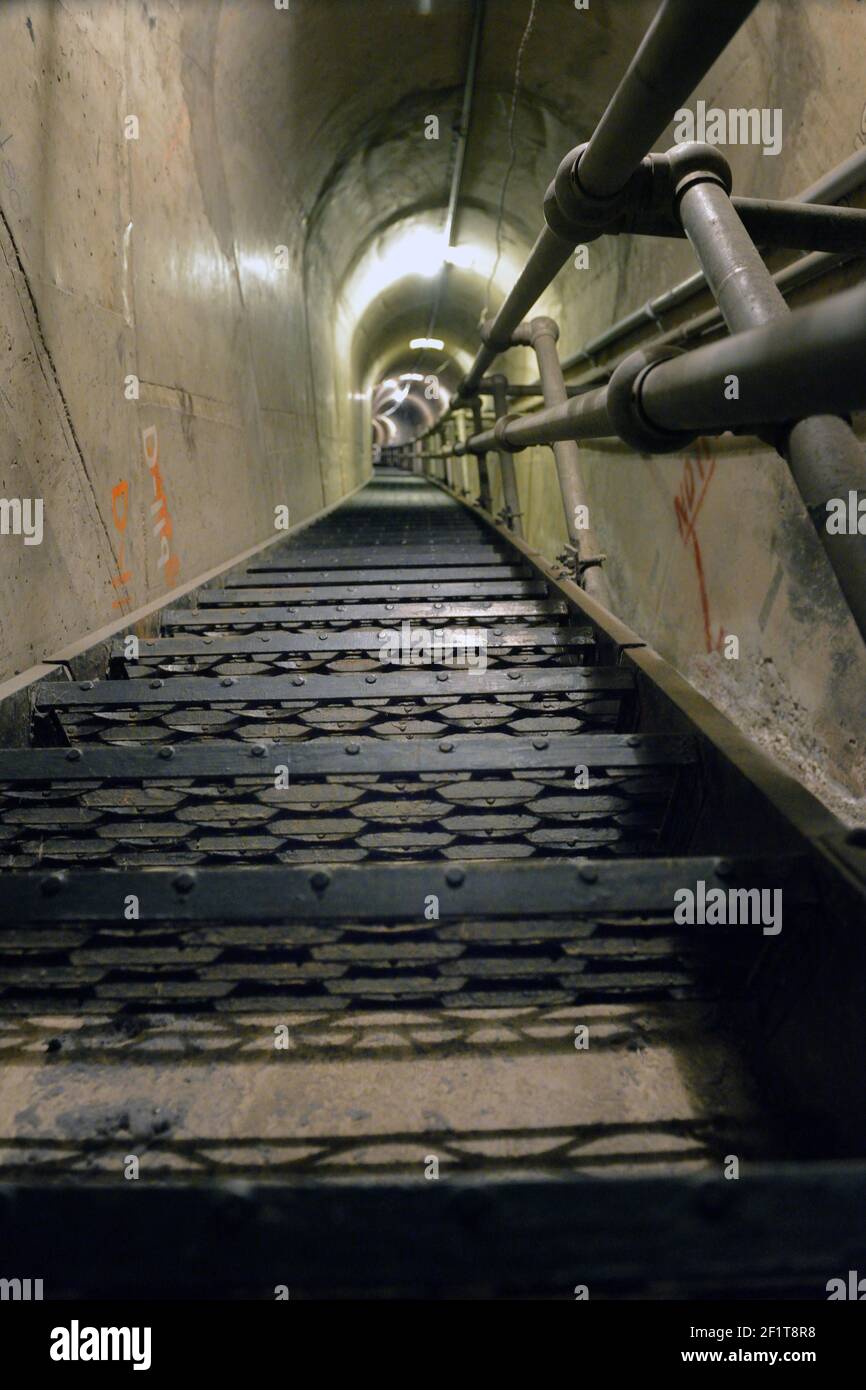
(446, 747)
(441, 675)
(227, 680)
(258, 750)
(371, 680)
(184, 883)
(298, 680)
(514, 675)
(86, 685)
(540, 744)
(156, 685)
(724, 869)
(455, 877)
(352, 749)
(51, 885)
(634, 740)
(73, 755)
(588, 875)
(320, 880)
(167, 752)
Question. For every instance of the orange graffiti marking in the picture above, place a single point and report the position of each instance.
(119, 581)
(168, 560)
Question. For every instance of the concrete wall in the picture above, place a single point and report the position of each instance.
(152, 257)
(303, 129)
(716, 540)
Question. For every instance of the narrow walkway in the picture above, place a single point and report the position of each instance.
(285, 905)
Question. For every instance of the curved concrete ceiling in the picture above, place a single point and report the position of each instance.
(368, 175)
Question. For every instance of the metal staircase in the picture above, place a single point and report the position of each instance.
(454, 889)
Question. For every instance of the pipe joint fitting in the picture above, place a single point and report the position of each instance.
(624, 404)
(574, 214)
(693, 162)
(487, 337)
(542, 327)
(499, 434)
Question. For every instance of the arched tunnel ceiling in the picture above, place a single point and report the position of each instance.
(384, 331)
(361, 78)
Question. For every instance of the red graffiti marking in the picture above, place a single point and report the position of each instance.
(698, 470)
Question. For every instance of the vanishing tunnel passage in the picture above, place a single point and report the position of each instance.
(431, 767)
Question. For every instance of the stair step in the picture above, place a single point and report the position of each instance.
(492, 797)
(367, 593)
(479, 611)
(287, 574)
(339, 935)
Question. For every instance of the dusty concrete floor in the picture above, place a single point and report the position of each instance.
(498, 1090)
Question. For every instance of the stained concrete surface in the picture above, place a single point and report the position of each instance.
(660, 1087)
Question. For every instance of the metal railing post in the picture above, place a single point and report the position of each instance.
(449, 447)
(824, 455)
(510, 491)
(460, 423)
(679, 47)
(484, 496)
(542, 335)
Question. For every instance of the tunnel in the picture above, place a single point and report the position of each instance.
(432, 764)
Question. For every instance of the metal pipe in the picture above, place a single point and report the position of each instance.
(465, 118)
(460, 424)
(543, 334)
(506, 462)
(484, 496)
(679, 47)
(518, 392)
(584, 417)
(459, 158)
(742, 286)
(673, 57)
(813, 359)
(449, 455)
(838, 183)
(826, 460)
(546, 259)
(803, 226)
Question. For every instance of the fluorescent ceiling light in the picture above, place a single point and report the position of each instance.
(435, 343)
(411, 376)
